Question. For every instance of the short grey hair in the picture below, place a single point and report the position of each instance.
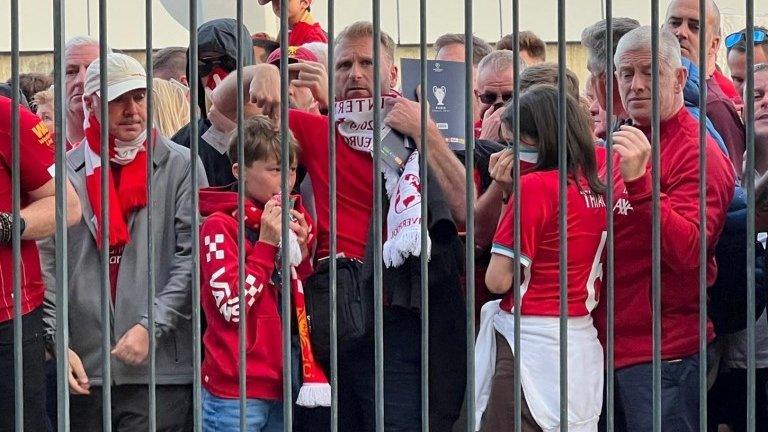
(498, 61)
(82, 40)
(639, 39)
(594, 40)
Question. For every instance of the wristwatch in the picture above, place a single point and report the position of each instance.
(22, 225)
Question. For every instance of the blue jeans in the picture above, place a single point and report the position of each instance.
(679, 395)
(223, 415)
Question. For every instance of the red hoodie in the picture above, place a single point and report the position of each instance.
(220, 302)
(679, 211)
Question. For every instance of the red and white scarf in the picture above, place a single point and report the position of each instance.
(315, 390)
(355, 125)
(127, 181)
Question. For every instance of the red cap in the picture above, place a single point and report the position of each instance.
(295, 53)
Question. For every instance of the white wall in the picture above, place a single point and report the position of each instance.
(126, 18)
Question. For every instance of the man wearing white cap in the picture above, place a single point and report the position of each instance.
(129, 207)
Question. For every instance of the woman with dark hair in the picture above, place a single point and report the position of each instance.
(540, 274)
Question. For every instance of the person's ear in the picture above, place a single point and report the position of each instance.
(393, 76)
(235, 170)
(681, 78)
(184, 80)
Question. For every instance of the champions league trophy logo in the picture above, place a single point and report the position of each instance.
(439, 93)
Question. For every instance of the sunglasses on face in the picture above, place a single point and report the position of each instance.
(490, 98)
(206, 66)
(760, 36)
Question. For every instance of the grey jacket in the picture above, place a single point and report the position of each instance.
(172, 235)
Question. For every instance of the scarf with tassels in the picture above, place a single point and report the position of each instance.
(127, 181)
(403, 186)
(315, 390)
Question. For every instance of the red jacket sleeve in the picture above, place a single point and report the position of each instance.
(679, 204)
(219, 266)
(35, 144)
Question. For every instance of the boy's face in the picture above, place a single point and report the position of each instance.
(295, 7)
(262, 178)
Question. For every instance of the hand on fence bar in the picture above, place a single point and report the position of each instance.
(265, 90)
(314, 76)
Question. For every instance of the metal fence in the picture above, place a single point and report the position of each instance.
(63, 270)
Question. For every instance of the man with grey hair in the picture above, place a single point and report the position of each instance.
(79, 52)
(683, 21)
(495, 81)
(593, 38)
(679, 202)
(451, 47)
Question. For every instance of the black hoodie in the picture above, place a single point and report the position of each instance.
(216, 36)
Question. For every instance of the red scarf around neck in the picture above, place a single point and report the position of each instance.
(127, 188)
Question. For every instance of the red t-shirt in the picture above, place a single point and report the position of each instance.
(540, 245)
(302, 33)
(354, 181)
(115, 255)
(679, 211)
(37, 162)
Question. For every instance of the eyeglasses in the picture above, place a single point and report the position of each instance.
(490, 98)
(732, 39)
(206, 66)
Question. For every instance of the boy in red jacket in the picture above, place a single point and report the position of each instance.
(220, 284)
(302, 25)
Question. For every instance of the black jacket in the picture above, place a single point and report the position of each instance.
(217, 36)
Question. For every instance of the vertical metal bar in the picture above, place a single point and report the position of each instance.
(655, 218)
(609, 297)
(469, 163)
(243, 329)
(517, 383)
(703, 215)
(62, 272)
(194, 142)
(285, 230)
(18, 353)
(334, 377)
(378, 281)
(150, 241)
(501, 22)
(106, 293)
(424, 258)
(749, 179)
(562, 147)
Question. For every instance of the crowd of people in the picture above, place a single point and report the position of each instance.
(226, 166)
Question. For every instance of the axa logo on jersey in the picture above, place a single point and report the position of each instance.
(623, 207)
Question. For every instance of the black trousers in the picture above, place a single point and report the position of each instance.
(727, 402)
(130, 409)
(33, 374)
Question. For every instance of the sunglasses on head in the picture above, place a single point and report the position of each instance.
(206, 66)
(760, 36)
(490, 98)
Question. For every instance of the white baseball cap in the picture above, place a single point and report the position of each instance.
(124, 73)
